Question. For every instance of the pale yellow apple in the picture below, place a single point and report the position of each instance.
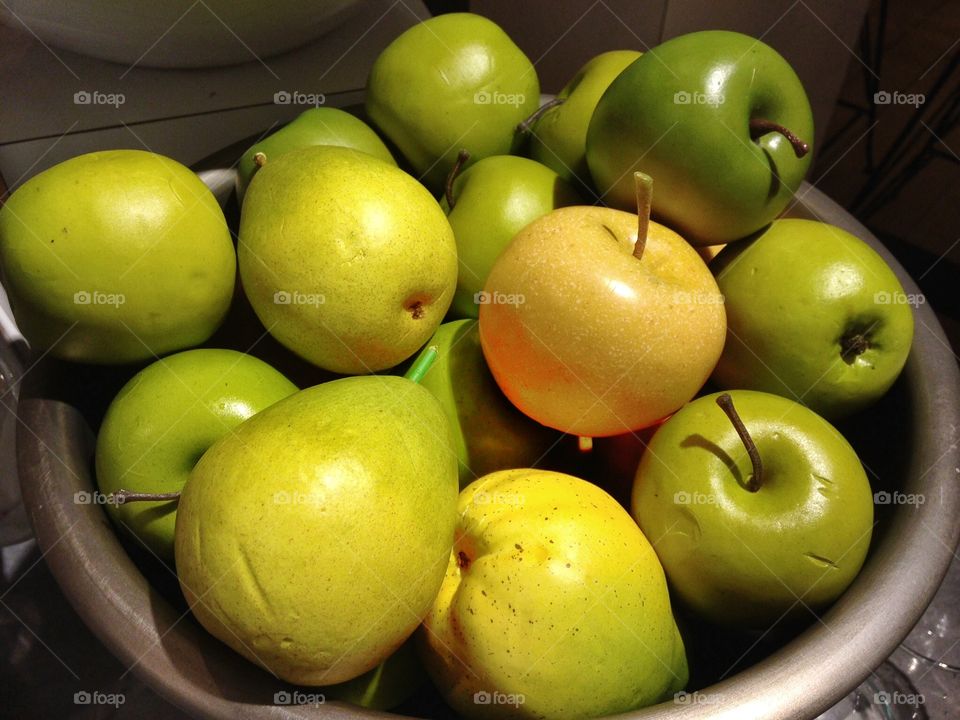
(554, 605)
(584, 337)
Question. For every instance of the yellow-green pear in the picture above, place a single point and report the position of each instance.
(346, 259)
(313, 539)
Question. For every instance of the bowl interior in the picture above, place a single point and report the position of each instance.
(133, 603)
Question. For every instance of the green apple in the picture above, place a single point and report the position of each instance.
(316, 126)
(815, 315)
(314, 538)
(116, 256)
(489, 433)
(719, 120)
(492, 201)
(164, 419)
(453, 81)
(347, 260)
(554, 605)
(594, 333)
(389, 684)
(559, 137)
(748, 543)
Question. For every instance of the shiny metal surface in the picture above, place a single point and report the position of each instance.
(176, 657)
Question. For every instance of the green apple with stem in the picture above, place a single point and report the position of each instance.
(347, 260)
(722, 123)
(489, 433)
(316, 126)
(284, 525)
(554, 605)
(814, 314)
(759, 509)
(601, 322)
(116, 256)
(453, 81)
(164, 419)
(558, 131)
(487, 205)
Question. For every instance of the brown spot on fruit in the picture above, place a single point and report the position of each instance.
(415, 309)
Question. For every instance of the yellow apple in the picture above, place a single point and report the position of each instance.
(590, 334)
(554, 605)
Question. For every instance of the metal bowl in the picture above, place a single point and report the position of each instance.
(909, 439)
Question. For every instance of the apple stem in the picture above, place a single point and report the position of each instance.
(122, 497)
(756, 480)
(422, 364)
(644, 185)
(462, 158)
(525, 126)
(759, 126)
(584, 443)
(259, 159)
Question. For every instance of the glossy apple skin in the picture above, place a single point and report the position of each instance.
(426, 92)
(602, 343)
(164, 419)
(363, 245)
(744, 559)
(714, 183)
(316, 126)
(559, 137)
(792, 294)
(117, 223)
(489, 433)
(552, 593)
(493, 201)
(301, 539)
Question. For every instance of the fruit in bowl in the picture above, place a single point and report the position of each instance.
(346, 259)
(282, 527)
(814, 315)
(116, 256)
(316, 126)
(320, 535)
(722, 124)
(760, 509)
(554, 605)
(164, 419)
(600, 322)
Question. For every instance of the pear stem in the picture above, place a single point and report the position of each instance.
(756, 480)
(760, 126)
(644, 185)
(259, 159)
(525, 126)
(122, 497)
(422, 364)
(462, 158)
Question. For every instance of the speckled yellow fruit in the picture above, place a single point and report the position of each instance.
(346, 259)
(554, 605)
(313, 538)
(584, 337)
